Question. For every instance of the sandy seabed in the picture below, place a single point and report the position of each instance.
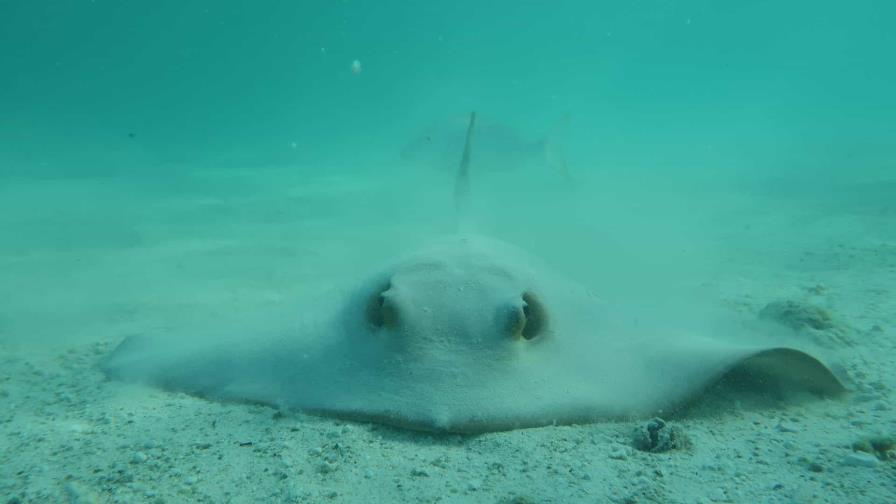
(67, 434)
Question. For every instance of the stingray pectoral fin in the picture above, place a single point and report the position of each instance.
(180, 367)
(784, 369)
(124, 362)
(701, 376)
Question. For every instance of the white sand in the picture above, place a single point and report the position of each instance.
(85, 264)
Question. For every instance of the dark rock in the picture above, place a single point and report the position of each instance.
(657, 436)
(797, 315)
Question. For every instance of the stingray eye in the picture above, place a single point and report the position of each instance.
(380, 310)
(530, 319)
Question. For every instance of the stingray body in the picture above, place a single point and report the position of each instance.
(471, 335)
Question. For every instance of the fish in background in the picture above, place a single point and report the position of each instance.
(499, 147)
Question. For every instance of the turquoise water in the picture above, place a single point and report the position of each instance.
(763, 86)
(187, 164)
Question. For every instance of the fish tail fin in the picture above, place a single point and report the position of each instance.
(552, 147)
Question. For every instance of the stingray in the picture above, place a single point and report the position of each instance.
(468, 335)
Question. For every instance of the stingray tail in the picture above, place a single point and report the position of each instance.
(462, 184)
